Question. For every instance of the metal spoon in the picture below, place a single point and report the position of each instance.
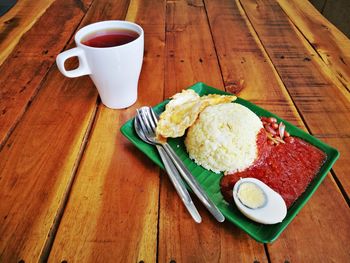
(151, 120)
(145, 135)
(186, 174)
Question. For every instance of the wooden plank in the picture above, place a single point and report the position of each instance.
(314, 224)
(246, 68)
(342, 164)
(17, 21)
(331, 44)
(310, 88)
(117, 187)
(38, 163)
(180, 239)
(320, 233)
(35, 54)
(186, 66)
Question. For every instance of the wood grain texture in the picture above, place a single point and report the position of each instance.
(24, 70)
(37, 164)
(190, 52)
(330, 43)
(17, 21)
(61, 152)
(38, 161)
(323, 106)
(320, 233)
(245, 66)
(116, 195)
(191, 57)
(328, 197)
(342, 164)
(117, 188)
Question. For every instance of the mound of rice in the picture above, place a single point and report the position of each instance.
(223, 138)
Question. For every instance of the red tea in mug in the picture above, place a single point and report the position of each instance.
(111, 53)
(110, 38)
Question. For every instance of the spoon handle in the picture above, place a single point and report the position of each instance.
(178, 184)
(194, 185)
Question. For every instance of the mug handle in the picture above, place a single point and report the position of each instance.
(83, 68)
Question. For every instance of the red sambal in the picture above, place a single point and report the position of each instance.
(287, 168)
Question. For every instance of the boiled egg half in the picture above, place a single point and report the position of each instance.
(259, 202)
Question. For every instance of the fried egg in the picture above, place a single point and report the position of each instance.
(182, 111)
(179, 114)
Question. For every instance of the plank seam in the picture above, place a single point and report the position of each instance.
(59, 214)
(40, 85)
(60, 211)
(165, 58)
(274, 67)
(30, 25)
(341, 188)
(337, 182)
(158, 216)
(212, 38)
(266, 250)
(315, 49)
(267, 253)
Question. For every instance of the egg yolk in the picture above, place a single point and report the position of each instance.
(251, 195)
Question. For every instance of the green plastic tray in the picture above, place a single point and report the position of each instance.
(210, 181)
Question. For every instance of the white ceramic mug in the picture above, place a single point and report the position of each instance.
(114, 70)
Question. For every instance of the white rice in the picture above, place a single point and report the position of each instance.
(223, 138)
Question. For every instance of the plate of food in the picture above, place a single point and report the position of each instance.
(248, 160)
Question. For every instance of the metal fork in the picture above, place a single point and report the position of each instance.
(145, 132)
(186, 174)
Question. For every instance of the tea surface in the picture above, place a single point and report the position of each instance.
(110, 38)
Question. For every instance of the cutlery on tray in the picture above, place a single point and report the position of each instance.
(147, 135)
(145, 125)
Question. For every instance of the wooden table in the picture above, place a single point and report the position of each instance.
(73, 189)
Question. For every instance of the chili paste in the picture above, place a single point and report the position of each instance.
(288, 168)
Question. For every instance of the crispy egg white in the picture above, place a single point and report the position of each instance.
(182, 111)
